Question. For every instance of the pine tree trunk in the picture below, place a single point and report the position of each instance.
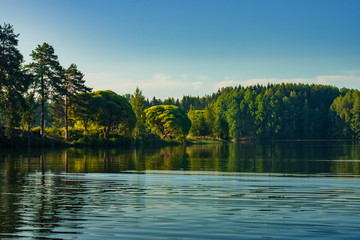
(66, 119)
(42, 121)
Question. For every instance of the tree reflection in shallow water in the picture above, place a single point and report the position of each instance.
(294, 157)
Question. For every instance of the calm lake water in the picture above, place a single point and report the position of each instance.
(285, 190)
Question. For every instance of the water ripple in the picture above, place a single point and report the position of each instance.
(183, 206)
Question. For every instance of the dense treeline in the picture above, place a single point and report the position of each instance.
(45, 98)
(286, 111)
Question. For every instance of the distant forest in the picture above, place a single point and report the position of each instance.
(281, 111)
(45, 97)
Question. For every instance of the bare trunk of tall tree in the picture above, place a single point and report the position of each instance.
(66, 119)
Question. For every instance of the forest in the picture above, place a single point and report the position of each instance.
(44, 102)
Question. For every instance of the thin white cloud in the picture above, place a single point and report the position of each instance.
(265, 81)
(159, 85)
(227, 83)
(163, 86)
(185, 76)
(353, 72)
(351, 81)
(162, 81)
(202, 78)
(348, 81)
(105, 80)
(197, 85)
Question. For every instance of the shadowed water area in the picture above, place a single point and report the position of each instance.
(283, 190)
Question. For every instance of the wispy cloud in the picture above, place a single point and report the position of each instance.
(197, 85)
(346, 80)
(162, 81)
(226, 83)
(352, 72)
(160, 85)
(164, 85)
(265, 81)
(350, 81)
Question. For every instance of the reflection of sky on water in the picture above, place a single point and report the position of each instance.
(179, 204)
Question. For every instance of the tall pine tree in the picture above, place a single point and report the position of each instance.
(138, 105)
(73, 85)
(13, 80)
(49, 77)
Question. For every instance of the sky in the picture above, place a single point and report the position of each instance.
(172, 48)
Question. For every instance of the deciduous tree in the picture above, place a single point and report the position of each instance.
(111, 111)
(168, 121)
(199, 126)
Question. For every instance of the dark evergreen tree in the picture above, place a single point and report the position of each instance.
(138, 106)
(74, 84)
(49, 77)
(13, 79)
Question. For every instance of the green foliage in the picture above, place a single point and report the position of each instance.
(48, 76)
(112, 111)
(199, 126)
(47, 71)
(168, 121)
(138, 106)
(57, 113)
(82, 110)
(13, 79)
(73, 85)
(54, 132)
(74, 81)
(345, 112)
(28, 117)
(282, 111)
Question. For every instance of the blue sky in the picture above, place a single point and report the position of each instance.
(177, 47)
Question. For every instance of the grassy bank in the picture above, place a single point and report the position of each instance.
(205, 140)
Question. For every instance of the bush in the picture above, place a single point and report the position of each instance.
(54, 132)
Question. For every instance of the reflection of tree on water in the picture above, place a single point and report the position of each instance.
(38, 202)
(348, 159)
(42, 163)
(11, 182)
(169, 158)
(208, 157)
(50, 199)
(66, 160)
(293, 157)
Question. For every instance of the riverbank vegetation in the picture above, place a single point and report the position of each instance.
(43, 103)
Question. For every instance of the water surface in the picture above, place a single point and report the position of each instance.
(284, 190)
